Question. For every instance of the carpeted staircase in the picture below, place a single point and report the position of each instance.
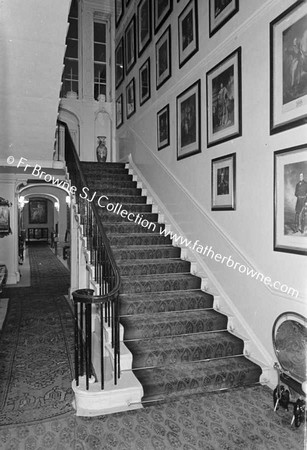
(180, 344)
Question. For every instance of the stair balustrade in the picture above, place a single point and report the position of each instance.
(87, 302)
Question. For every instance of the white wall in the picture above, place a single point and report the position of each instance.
(185, 186)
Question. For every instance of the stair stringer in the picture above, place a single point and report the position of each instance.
(128, 392)
(237, 325)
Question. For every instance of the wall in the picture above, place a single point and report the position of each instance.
(185, 186)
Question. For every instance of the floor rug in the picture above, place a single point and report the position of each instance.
(37, 345)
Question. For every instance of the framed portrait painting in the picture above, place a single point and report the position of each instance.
(119, 63)
(144, 25)
(4, 217)
(223, 183)
(37, 211)
(162, 9)
(188, 121)
(119, 11)
(163, 127)
(288, 61)
(188, 32)
(224, 104)
(290, 200)
(220, 11)
(163, 58)
(144, 82)
(130, 50)
(119, 111)
(130, 98)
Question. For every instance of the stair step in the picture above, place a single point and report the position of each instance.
(116, 191)
(147, 326)
(92, 165)
(132, 228)
(164, 302)
(110, 216)
(179, 349)
(122, 239)
(159, 283)
(141, 252)
(106, 185)
(107, 177)
(153, 267)
(196, 378)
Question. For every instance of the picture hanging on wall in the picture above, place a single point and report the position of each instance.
(220, 11)
(119, 11)
(119, 61)
(37, 211)
(162, 9)
(130, 50)
(130, 98)
(188, 32)
(119, 111)
(144, 25)
(163, 127)
(290, 200)
(288, 59)
(223, 183)
(144, 82)
(163, 58)
(224, 108)
(4, 217)
(188, 121)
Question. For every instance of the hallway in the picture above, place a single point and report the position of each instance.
(36, 350)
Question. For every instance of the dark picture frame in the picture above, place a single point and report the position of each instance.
(130, 45)
(119, 11)
(5, 228)
(223, 183)
(163, 58)
(119, 63)
(119, 111)
(144, 82)
(188, 32)
(130, 98)
(290, 200)
(144, 28)
(224, 100)
(162, 10)
(288, 66)
(163, 131)
(188, 115)
(220, 12)
(38, 211)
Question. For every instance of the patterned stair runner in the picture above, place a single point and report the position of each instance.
(180, 344)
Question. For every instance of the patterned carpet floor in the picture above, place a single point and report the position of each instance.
(241, 419)
(37, 344)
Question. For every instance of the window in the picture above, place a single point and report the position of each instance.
(70, 78)
(100, 59)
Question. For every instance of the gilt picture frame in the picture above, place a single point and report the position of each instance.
(119, 111)
(119, 11)
(290, 200)
(288, 68)
(38, 211)
(223, 183)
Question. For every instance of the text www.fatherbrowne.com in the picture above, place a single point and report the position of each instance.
(102, 202)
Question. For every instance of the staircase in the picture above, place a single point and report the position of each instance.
(180, 344)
